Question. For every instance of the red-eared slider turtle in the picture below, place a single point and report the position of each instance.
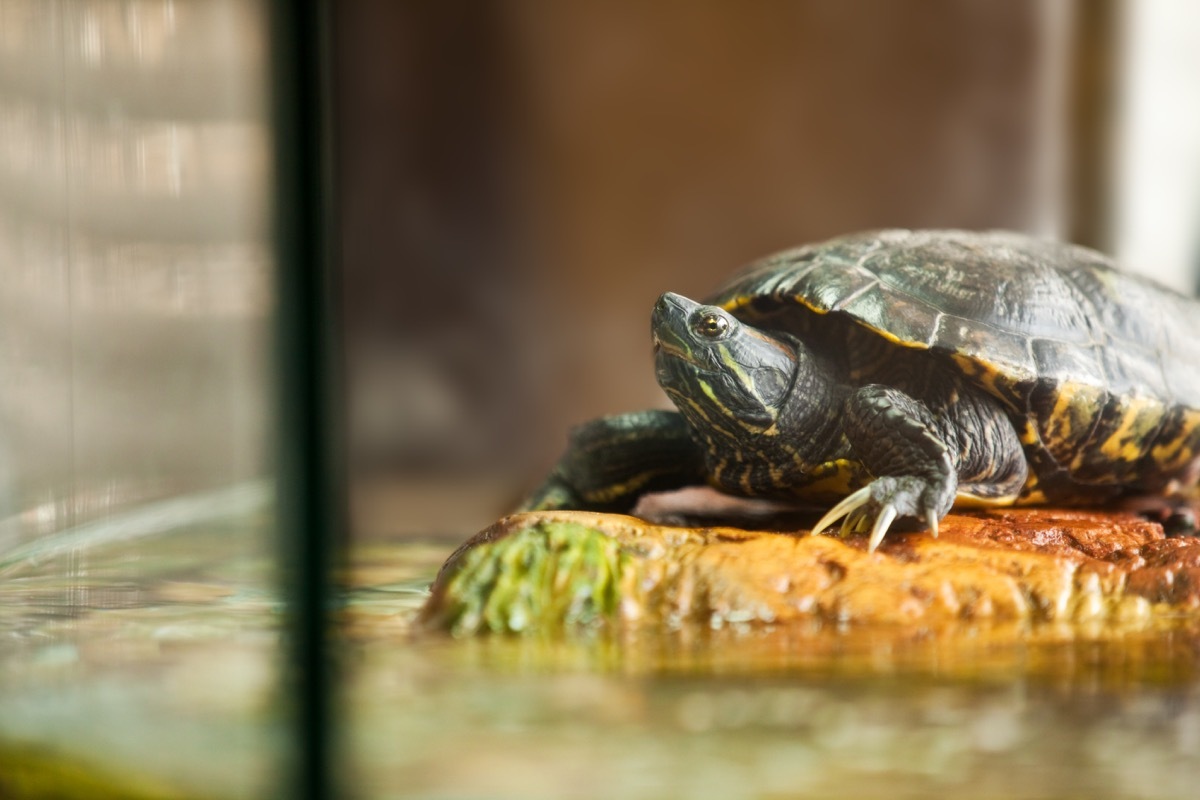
(898, 371)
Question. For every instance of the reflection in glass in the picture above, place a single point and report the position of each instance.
(136, 582)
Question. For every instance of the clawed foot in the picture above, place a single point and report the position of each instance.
(879, 504)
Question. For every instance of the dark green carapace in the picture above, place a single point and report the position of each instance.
(901, 371)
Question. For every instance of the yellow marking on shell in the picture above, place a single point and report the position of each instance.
(741, 301)
(985, 374)
(1029, 434)
(1030, 494)
(1070, 423)
(1061, 420)
(737, 303)
(1142, 415)
(894, 339)
(1171, 453)
(1179, 452)
(1034, 498)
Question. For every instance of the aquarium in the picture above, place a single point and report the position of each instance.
(297, 298)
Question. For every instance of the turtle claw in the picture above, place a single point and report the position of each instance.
(876, 506)
(857, 521)
(887, 515)
(873, 508)
(845, 508)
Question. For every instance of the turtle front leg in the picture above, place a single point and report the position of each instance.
(612, 461)
(919, 458)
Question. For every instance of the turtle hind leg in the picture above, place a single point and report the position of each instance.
(612, 461)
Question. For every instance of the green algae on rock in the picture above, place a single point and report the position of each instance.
(549, 573)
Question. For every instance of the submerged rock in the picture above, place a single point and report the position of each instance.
(549, 570)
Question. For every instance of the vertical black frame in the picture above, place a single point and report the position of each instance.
(309, 495)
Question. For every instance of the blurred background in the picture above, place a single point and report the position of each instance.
(518, 181)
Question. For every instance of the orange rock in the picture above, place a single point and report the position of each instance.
(1036, 565)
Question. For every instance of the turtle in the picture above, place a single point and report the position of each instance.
(895, 374)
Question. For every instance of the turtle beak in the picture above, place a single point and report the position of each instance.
(670, 312)
(674, 305)
(668, 323)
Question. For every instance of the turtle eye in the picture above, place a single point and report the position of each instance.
(711, 325)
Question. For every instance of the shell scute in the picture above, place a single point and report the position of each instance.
(829, 285)
(1067, 363)
(1001, 351)
(894, 315)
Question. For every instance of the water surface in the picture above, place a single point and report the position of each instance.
(156, 662)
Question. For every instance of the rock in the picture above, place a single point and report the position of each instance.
(547, 570)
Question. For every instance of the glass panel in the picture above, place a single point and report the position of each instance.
(138, 602)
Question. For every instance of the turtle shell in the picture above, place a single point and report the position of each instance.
(1099, 369)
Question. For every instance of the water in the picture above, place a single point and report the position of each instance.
(138, 652)
(751, 712)
(154, 663)
(742, 715)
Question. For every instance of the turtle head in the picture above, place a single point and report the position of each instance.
(726, 377)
